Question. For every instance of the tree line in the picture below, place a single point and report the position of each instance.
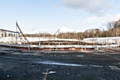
(113, 29)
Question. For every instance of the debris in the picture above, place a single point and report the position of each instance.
(50, 72)
(8, 76)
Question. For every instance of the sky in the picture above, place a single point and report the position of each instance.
(38, 16)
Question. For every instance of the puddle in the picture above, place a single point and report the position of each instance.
(80, 56)
(66, 64)
(58, 63)
(9, 57)
(96, 66)
(114, 67)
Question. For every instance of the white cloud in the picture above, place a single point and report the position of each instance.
(64, 30)
(101, 21)
(110, 18)
(92, 6)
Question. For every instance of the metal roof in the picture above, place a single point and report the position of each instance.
(8, 31)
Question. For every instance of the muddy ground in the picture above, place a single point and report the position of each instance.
(100, 65)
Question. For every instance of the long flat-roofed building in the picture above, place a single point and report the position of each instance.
(103, 40)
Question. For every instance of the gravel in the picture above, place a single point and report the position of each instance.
(27, 67)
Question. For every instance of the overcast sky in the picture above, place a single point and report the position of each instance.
(36, 16)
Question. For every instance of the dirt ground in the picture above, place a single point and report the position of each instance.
(98, 65)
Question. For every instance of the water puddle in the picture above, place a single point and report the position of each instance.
(9, 57)
(114, 67)
(66, 64)
(58, 63)
(98, 66)
(80, 56)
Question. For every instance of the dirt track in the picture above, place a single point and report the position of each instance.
(103, 65)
